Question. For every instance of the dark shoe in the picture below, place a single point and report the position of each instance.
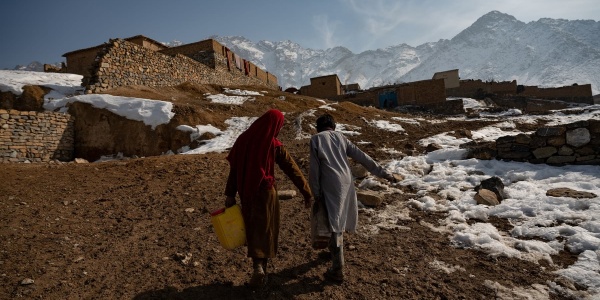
(259, 278)
(334, 275)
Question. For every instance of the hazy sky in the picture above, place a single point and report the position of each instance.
(43, 30)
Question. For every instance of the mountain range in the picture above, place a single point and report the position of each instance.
(547, 52)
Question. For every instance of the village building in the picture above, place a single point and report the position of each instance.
(451, 78)
(81, 61)
(350, 88)
(140, 60)
(326, 87)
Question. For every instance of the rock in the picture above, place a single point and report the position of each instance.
(584, 151)
(81, 161)
(286, 194)
(369, 198)
(398, 177)
(486, 197)
(27, 281)
(359, 171)
(183, 258)
(564, 150)
(550, 131)
(465, 133)
(537, 142)
(433, 147)
(207, 136)
(557, 160)
(556, 141)
(567, 192)
(189, 210)
(578, 137)
(544, 152)
(483, 153)
(523, 139)
(508, 139)
(495, 185)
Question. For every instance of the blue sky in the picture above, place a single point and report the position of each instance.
(43, 30)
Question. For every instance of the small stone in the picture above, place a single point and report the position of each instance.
(359, 171)
(369, 198)
(286, 194)
(27, 281)
(81, 161)
(189, 210)
(486, 197)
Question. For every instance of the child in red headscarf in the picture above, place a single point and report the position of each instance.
(252, 159)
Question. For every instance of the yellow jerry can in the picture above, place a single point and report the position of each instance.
(229, 226)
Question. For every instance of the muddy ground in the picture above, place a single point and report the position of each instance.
(140, 228)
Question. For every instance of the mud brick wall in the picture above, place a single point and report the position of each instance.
(29, 136)
(576, 143)
(573, 93)
(477, 88)
(422, 92)
(122, 63)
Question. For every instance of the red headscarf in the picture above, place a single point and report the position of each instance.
(253, 154)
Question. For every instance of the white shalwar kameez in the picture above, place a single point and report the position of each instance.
(331, 179)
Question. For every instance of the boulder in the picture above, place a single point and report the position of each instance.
(495, 185)
(369, 198)
(486, 197)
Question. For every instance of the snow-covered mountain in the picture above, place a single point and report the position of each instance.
(547, 52)
(32, 66)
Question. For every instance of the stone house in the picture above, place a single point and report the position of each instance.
(140, 60)
(81, 61)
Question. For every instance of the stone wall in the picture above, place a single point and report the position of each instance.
(122, 63)
(575, 143)
(30, 136)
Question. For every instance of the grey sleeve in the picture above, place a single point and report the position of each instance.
(364, 159)
(314, 174)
